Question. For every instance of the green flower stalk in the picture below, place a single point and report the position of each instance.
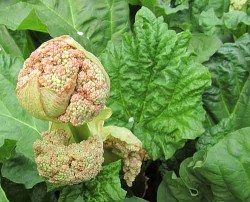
(119, 143)
(61, 81)
(63, 164)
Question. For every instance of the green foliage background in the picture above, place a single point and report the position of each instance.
(179, 72)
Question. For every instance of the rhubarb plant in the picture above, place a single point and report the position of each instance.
(124, 100)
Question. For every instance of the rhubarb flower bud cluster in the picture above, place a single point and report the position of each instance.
(61, 81)
(122, 141)
(62, 164)
(237, 5)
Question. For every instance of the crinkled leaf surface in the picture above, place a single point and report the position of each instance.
(219, 6)
(155, 87)
(16, 124)
(210, 23)
(230, 90)
(106, 186)
(212, 135)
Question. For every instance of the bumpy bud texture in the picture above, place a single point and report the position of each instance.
(66, 165)
(62, 81)
(237, 4)
(129, 146)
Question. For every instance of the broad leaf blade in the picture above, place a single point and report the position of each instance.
(173, 189)
(230, 89)
(227, 174)
(91, 23)
(217, 132)
(155, 88)
(20, 169)
(20, 15)
(17, 125)
(219, 174)
(3, 197)
(104, 187)
(203, 46)
(17, 43)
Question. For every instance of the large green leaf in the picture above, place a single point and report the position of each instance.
(230, 90)
(98, 21)
(210, 23)
(219, 7)
(173, 189)
(17, 125)
(20, 169)
(106, 186)
(238, 22)
(17, 43)
(155, 87)
(225, 168)
(20, 15)
(203, 46)
(215, 133)
(235, 22)
(163, 7)
(18, 193)
(91, 23)
(3, 197)
(219, 174)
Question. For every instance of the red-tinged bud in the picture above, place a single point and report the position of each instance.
(61, 81)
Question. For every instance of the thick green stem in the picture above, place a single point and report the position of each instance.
(78, 134)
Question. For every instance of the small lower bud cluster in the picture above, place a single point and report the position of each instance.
(62, 165)
(133, 156)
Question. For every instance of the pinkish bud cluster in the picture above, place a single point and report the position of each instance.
(66, 165)
(69, 72)
(90, 94)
